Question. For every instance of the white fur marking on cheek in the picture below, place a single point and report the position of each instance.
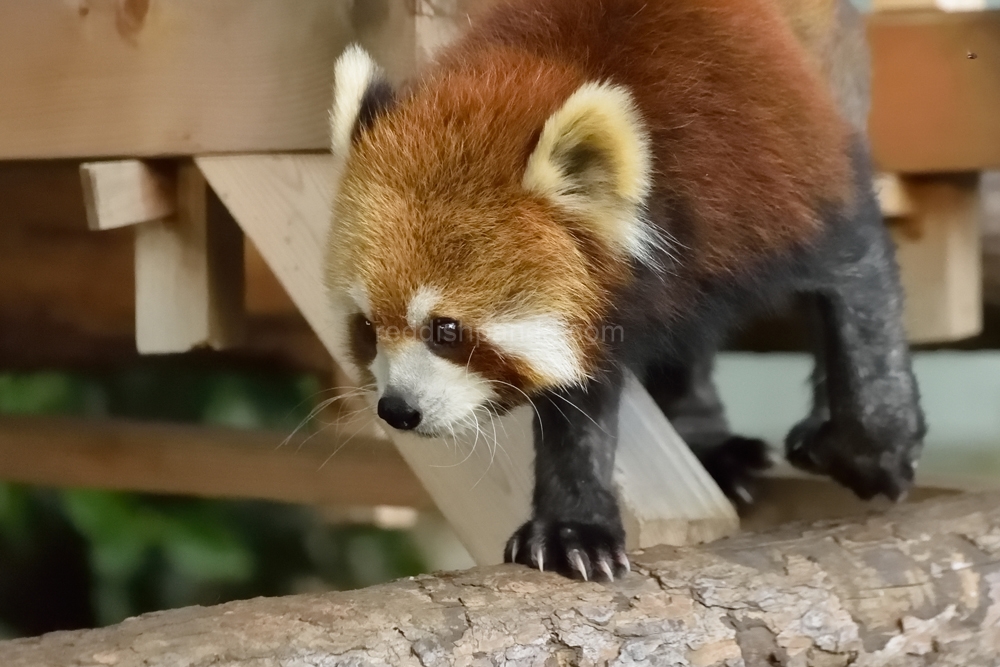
(422, 304)
(379, 368)
(544, 342)
(353, 74)
(359, 294)
(446, 394)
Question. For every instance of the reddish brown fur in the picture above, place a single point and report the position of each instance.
(743, 128)
(454, 213)
(747, 143)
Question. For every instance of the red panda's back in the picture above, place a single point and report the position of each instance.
(747, 140)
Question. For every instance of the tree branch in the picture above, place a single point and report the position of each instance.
(919, 585)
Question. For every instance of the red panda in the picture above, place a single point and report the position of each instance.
(656, 169)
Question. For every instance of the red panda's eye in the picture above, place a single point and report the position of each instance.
(445, 332)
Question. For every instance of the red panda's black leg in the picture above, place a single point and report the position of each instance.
(866, 427)
(576, 527)
(687, 396)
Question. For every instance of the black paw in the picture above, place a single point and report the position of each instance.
(585, 551)
(735, 465)
(851, 457)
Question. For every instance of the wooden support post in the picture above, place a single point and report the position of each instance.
(189, 274)
(936, 229)
(282, 202)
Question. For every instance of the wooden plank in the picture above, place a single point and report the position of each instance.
(207, 76)
(665, 494)
(127, 192)
(938, 249)
(346, 469)
(282, 202)
(188, 275)
(934, 107)
(101, 77)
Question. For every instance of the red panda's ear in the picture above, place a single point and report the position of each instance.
(593, 159)
(360, 93)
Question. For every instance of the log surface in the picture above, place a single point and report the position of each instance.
(919, 585)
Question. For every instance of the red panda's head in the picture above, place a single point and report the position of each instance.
(480, 222)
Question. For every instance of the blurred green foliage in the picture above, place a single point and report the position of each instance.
(82, 557)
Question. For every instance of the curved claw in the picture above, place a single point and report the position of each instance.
(622, 560)
(577, 560)
(744, 495)
(537, 555)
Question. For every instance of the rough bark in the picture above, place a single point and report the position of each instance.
(919, 585)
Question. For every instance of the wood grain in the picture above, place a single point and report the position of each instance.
(105, 77)
(917, 586)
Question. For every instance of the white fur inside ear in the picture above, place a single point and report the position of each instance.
(353, 74)
(593, 158)
(544, 342)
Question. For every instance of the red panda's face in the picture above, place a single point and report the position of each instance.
(458, 304)
(469, 270)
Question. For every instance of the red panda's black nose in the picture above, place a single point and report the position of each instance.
(397, 413)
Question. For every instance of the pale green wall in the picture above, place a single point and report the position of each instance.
(765, 394)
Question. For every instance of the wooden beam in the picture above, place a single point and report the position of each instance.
(938, 249)
(102, 78)
(127, 192)
(935, 90)
(351, 468)
(282, 202)
(181, 77)
(189, 275)
(56, 310)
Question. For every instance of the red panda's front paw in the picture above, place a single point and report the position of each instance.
(578, 550)
(736, 464)
(855, 459)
